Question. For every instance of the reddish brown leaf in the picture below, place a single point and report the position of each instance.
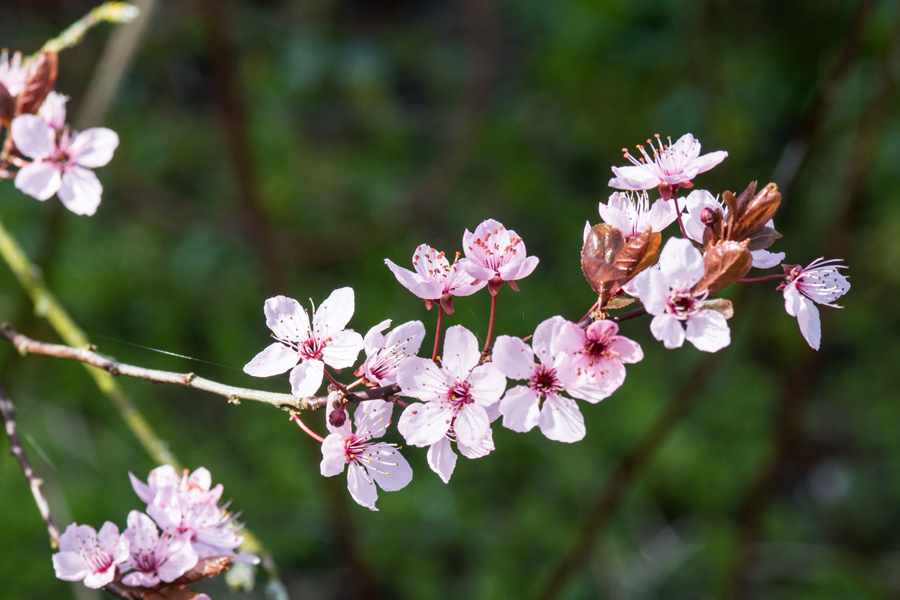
(205, 569)
(763, 238)
(7, 105)
(40, 81)
(731, 204)
(757, 213)
(598, 254)
(639, 252)
(725, 264)
(744, 198)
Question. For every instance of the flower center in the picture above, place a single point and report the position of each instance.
(544, 382)
(599, 349)
(354, 447)
(311, 349)
(460, 394)
(97, 559)
(496, 255)
(681, 305)
(146, 562)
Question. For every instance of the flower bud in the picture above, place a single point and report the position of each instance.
(337, 418)
(708, 217)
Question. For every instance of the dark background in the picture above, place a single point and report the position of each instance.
(289, 147)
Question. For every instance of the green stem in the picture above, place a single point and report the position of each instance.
(48, 307)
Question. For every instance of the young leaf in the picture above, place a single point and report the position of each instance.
(725, 264)
(639, 252)
(40, 81)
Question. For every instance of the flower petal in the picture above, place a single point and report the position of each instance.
(80, 191)
(560, 420)
(708, 330)
(421, 378)
(668, 330)
(488, 384)
(94, 147)
(424, 424)
(387, 466)
(471, 424)
(681, 264)
(334, 314)
(306, 378)
(343, 348)
(333, 456)
(633, 178)
(519, 269)
(33, 137)
(287, 319)
(274, 360)
(763, 259)
(520, 408)
(513, 357)
(810, 325)
(39, 179)
(442, 459)
(361, 487)
(461, 352)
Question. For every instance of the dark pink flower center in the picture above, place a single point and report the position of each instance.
(97, 559)
(355, 447)
(544, 382)
(494, 255)
(597, 349)
(460, 394)
(311, 349)
(146, 562)
(682, 304)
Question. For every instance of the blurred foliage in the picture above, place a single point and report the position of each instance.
(376, 126)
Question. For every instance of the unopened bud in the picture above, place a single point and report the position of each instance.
(709, 217)
(337, 417)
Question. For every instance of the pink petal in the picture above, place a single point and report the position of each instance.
(424, 424)
(201, 478)
(334, 314)
(387, 467)
(33, 137)
(808, 319)
(629, 350)
(681, 264)
(342, 350)
(612, 215)
(374, 340)
(406, 338)
(792, 298)
(513, 357)
(70, 566)
(708, 161)
(80, 191)
(442, 459)
(427, 290)
(373, 416)
(421, 378)
(561, 421)
(661, 215)
(708, 331)
(274, 360)
(668, 330)
(141, 533)
(39, 180)
(763, 259)
(651, 287)
(140, 579)
(520, 408)
(108, 537)
(142, 490)
(461, 352)
(476, 270)
(484, 446)
(306, 378)
(94, 147)
(287, 319)
(488, 384)
(471, 424)
(361, 487)
(178, 564)
(98, 579)
(633, 178)
(519, 269)
(566, 337)
(333, 457)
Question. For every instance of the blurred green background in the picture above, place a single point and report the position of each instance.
(290, 146)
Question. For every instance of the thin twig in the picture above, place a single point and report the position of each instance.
(8, 412)
(26, 345)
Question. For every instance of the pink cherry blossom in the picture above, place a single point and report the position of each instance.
(666, 294)
(12, 73)
(541, 402)
(671, 165)
(633, 214)
(62, 165)
(155, 558)
(599, 360)
(496, 254)
(435, 279)
(459, 398)
(384, 353)
(326, 342)
(189, 504)
(696, 201)
(369, 463)
(85, 554)
(53, 110)
(820, 282)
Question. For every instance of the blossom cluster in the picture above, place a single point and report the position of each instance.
(452, 400)
(51, 157)
(182, 537)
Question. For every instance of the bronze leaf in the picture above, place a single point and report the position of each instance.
(640, 252)
(39, 82)
(725, 264)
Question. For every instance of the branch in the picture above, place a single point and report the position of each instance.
(26, 345)
(15, 448)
